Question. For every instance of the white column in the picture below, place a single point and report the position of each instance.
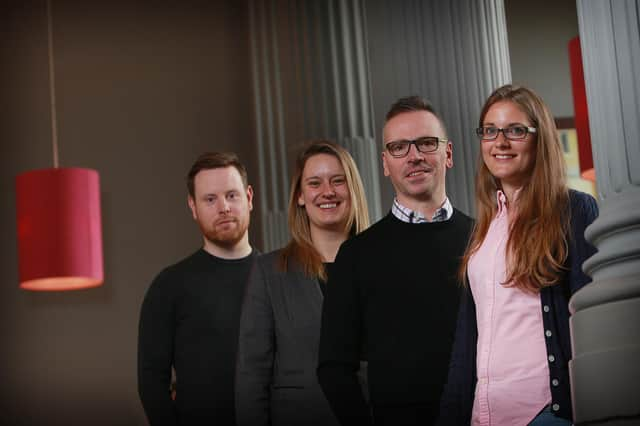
(311, 80)
(605, 370)
(273, 181)
(352, 93)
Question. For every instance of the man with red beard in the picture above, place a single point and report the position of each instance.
(190, 315)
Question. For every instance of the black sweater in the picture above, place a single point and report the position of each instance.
(392, 300)
(189, 320)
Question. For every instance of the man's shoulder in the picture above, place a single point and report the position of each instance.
(375, 232)
(389, 228)
(186, 263)
(461, 218)
(178, 270)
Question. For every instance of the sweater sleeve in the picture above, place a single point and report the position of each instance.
(340, 343)
(155, 353)
(256, 347)
(584, 211)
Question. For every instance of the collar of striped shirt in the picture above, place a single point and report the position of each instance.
(405, 214)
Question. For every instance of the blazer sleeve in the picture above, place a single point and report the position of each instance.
(155, 352)
(341, 343)
(256, 346)
(584, 210)
(457, 398)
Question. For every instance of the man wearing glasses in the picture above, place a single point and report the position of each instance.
(392, 296)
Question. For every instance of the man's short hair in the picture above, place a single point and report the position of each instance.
(410, 104)
(215, 160)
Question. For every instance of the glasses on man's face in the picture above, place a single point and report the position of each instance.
(425, 144)
(513, 133)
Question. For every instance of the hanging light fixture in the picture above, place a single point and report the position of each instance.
(58, 217)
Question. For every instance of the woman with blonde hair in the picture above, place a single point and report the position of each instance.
(510, 360)
(280, 324)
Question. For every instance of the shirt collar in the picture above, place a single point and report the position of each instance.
(501, 200)
(405, 214)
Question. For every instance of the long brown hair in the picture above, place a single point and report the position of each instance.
(537, 244)
(301, 246)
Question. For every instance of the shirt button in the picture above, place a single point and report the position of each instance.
(548, 333)
(545, 308)
(555, 382)
(555, 407)
(552, 358)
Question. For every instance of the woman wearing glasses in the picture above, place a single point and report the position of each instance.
(276, 380)
(510, 360)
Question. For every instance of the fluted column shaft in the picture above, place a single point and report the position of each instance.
(452, 52)
(311, 80)
(605, 370)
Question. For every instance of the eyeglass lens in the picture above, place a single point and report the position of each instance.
(401, 148)
(491, 132)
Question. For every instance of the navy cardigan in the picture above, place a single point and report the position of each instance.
(457, 399)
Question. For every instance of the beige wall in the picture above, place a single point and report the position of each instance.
(142, 89)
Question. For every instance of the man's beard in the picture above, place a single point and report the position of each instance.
(226, 238)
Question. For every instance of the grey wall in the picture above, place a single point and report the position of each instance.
(539, 33)
(142, 90)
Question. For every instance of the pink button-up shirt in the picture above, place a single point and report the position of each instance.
(513, 375)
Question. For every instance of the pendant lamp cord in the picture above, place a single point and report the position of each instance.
(52, 87)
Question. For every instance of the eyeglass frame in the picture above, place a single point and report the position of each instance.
(528, 130)
(413, 142)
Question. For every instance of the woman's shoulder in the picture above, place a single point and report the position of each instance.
(577, 196)
(272, 264)
(269, 261)
(583, 205)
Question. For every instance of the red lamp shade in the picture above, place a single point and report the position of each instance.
(59, 229)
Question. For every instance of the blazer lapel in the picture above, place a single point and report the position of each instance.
(304, 297)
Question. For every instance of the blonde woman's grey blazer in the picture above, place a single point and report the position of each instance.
(276, 380)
